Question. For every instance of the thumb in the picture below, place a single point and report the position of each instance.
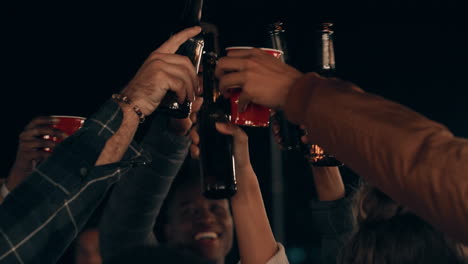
(241, 146)
(241, 140)
(226, 128)
(174, 42)
(240, 137)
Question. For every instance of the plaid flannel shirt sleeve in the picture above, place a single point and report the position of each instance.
(42, 216)
(136, 200)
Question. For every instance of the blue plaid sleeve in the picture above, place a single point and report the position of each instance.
(42, 216)
(136, 200)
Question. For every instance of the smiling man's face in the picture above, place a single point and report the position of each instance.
(201, 225)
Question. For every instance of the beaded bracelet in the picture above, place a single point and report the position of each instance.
(124, 99)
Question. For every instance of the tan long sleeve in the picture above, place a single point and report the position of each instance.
(416, 161)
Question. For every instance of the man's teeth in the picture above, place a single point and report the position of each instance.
(206, 235)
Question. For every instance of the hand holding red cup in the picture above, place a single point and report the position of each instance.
(253, 115)
(66, 124)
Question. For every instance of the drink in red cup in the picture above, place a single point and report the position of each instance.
(254, 115)
(67, 124)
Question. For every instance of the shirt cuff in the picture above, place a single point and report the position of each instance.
(280, 256)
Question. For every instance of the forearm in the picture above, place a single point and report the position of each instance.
(332, 213)
(117, 145)
(135, 202)
(417, 162)
(328, 183)
(48, 209)
(254, 235)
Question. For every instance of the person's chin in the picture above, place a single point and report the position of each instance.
(209, 249)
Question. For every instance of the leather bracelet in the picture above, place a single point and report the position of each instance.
(124, 99)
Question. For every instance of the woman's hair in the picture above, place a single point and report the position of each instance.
(388, 233)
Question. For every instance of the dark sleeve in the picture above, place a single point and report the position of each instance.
(332, 221)
(41, 216)
(417, 162)
(135, 202)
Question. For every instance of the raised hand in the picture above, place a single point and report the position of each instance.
(31, 148)
(185, 126)
(264, 79)
(163, 71)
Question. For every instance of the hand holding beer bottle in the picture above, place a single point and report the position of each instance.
(287, 135)
(193, 49)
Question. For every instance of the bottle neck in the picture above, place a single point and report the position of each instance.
(277, 39)
(210, 91)
(192, 13)
(326, 52)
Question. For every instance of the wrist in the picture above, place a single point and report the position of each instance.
(141, 100)
(16, 176)
(245, 171)
(246, 179)
(299, 97)
(127, 104)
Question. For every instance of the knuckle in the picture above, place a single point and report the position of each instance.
(188, 72)
(178, 83)
(186, 60)
(251, 63)
(157, 63)
(247, 75)
(155, 54)
(160, 75)
(22, 136)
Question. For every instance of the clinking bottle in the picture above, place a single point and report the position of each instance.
(289, 135)
(216, 157)
(193, 49)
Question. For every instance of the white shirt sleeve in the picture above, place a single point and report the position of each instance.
(280, 256)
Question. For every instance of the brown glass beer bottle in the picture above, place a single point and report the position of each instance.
(288, 135)
(216, 158)
(193, 49)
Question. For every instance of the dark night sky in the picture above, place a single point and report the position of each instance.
(68, 58)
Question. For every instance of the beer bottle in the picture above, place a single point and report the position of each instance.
(287, 134)
(216, 157)
(326, 67)
(193, 49)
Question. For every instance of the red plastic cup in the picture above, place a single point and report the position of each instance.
(254, 115)
(67, 124)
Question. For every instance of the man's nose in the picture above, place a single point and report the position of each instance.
(205, 216)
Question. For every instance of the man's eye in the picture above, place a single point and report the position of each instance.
(217, 208)
(188, 211)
